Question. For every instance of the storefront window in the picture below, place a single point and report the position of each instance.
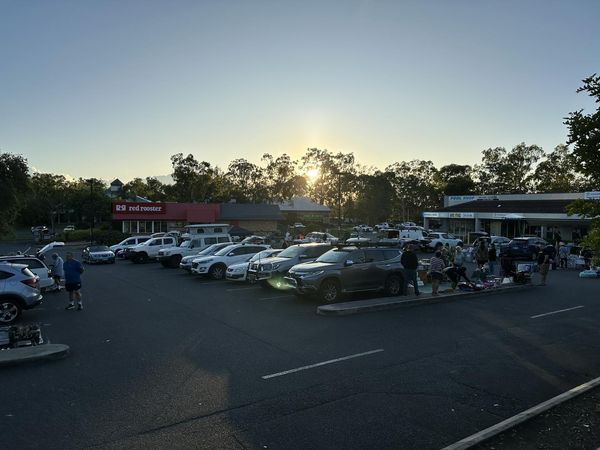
(142, 227)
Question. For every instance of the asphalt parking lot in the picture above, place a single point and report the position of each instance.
(165, 359)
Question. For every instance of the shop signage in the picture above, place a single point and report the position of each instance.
(461, 215)
(139, 208)
(431, 214)
(591, 195)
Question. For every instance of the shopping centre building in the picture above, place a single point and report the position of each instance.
(511, 215)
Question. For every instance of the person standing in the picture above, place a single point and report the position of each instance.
(459, 256)
(481, 255)
(543, 261)
(563, 254)
(410, 262)
(436, 272)
(492, 258)
(73, 270)
(57, 270)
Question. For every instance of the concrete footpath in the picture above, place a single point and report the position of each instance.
(386, 303)
(14, 356)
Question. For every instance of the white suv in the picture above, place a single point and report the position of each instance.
(18, 291)
(438, 240)
(216, 266)
(148, 250)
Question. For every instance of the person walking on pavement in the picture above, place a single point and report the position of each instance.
(410, 262)
(481, 255)
(57, 270)
(436, 272)
(73, 270)
(563, 254)
(492, 258)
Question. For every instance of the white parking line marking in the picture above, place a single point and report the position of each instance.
(244, 288)
(556, 312)
(312, 366)
(279, 296)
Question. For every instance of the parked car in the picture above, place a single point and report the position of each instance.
(498, 241)
(186, 261)
(523, 248)
(415, 235)
(172, 256)
(215, 266)
(69, 228)
(349, 269)
(317, 236)
(98, 254)
(37, 267)
(148, 250)
(270, 271)
(382, 226)
(363, 228)
(239, 272)
(439, 239)
(119, 249)
(19, 290)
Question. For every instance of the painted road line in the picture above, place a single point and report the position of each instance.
(557, 311)
(244, 288)
(312, 366)
(274, 298)
(528, 414)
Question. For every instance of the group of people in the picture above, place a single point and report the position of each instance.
(71, 271)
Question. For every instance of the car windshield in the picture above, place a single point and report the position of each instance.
(99, 248)
(334, 256)
(186, 244)
(292, 252)
(263, 254)
(225, 250)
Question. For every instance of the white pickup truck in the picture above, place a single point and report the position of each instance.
(148, 250)
(172, 256)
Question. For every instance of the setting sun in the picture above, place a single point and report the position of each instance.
(312, 174)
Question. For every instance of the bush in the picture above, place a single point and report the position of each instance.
(107, 237)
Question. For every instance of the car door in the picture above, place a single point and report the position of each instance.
(376, 273)
(167, 242)
(355, 272)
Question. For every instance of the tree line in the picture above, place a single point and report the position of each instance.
(400, 191)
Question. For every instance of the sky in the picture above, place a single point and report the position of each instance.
(112, 88)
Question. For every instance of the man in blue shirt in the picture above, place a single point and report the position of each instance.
(73, 270)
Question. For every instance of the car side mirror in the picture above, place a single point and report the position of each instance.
(349, 263)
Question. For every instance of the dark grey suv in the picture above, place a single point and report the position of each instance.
(270, 271)
(349, 269)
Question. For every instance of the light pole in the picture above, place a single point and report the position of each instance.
(91, 181)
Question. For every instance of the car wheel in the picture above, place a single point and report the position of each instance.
(174, 261)
(393, 285)
(9, 311)
(217, 272)
(330, 291)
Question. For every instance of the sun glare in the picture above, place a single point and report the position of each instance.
(312, 174)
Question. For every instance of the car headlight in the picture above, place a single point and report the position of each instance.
(275, 266)
(311, 274)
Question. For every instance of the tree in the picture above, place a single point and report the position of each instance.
(47, 199)
(558, 172)
(374, 197)
(281, 178)
(193, 180)
(584, 133)
(414, 187)
(454, 179)
(246, 181)
(502, 172)
(13, 181)
(150, 188)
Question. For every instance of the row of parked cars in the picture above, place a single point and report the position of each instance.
(323, 269)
